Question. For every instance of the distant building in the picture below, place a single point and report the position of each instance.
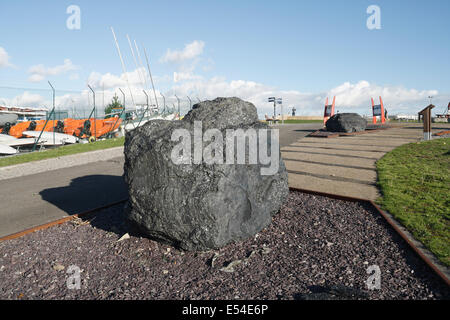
(405, 117)
(25, 113)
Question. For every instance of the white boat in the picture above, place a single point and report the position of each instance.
(5, 137)
(7, 150)
(23, 142)
(52, 138)
(133, 125)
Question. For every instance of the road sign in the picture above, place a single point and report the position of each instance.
(377, 110)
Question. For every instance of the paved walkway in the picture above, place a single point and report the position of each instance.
(35, 199)
(344, 165)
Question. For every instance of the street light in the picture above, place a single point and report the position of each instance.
(190, 103)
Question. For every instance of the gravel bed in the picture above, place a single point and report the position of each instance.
(316, 248)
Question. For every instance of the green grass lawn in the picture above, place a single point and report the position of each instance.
(61, 151)
(415, 185)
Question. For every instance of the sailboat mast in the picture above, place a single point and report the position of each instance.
(123, 65)
(151, 78)
(140, 63)
(135, 62)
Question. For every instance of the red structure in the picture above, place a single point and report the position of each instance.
(378, 110)
(329, 110)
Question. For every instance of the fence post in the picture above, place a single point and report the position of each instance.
(95, 114)
(46, 121)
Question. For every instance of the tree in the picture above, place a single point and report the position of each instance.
(115, 104)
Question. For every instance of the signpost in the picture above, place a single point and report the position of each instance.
(272, 99)
(426, 115)
(275, 102)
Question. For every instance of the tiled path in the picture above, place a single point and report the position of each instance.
(344, 165)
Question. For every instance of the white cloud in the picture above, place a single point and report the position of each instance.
(355, 95)
(4, 58)
(182, 76)
(350, 97)
(190, 51)
(26, 99)
(109, 80)
(40, 72)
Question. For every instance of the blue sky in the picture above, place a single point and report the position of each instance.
(301, 50)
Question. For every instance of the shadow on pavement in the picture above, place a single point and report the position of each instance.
(86, 193)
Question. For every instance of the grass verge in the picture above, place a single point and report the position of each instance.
(415, 184)
(61, 151)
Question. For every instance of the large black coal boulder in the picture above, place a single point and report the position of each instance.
(346, 122)
(200, 206)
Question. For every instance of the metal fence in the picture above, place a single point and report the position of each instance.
(79, 104)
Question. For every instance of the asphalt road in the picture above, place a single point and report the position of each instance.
(36, 199)
(290, 133)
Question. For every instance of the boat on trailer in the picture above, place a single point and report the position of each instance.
(51, 138)
(7, 150)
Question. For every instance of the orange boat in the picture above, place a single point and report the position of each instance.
(73, 126)
(82, 128)
(86, 128)
(17, 129)
(107, 126)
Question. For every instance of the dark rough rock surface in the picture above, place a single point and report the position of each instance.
(199, 206)
(346, 122)
(315, 248)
